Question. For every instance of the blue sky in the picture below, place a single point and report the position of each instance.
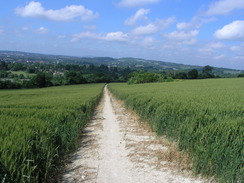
(209, 32)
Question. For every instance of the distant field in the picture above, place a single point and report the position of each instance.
(24, 73)
(206, 118)
(39, 125)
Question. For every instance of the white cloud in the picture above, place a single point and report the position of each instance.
(112, 36)
(183, 26)
(236, 48)
(42, 30)
(140, 14)
(222, 7)
(195, 23)
(133, 3)
(148, 41)
(212, 47)
(185, 37)
(233, 31)
(164, 23)
(77, 37)
(35, 10)
(144, 30)
(152, 28)
(219, 57)
(116, 36)
(216, 45)
(182, 35)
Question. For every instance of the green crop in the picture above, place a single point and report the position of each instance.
(37, 126)
(205, 117)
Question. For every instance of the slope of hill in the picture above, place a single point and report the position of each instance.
(133, 63)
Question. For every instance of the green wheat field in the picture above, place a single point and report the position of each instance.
(39, 125)
(205, 117)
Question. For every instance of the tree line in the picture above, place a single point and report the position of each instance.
(207, 72)
(148, 77)
(37, 75)
(15, 75)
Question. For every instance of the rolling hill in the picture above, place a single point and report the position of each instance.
(133, 63)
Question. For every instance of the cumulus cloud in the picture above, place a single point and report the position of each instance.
(133, 3)
(140, 14)
(216, 45)
(185, 37)
(219, 57)
(144, 30)
(195, 23)
(164, 23)
(222, 7)
(183, 25)
(233, 31)
(116, 36)
(112, 36)
(42, 30)
(77, 37)
(212, 47)
(154, 27)
(36, 10)
(236, 48)
(182, 35)
(148, 41)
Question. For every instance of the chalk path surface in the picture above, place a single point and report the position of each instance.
(117, 148)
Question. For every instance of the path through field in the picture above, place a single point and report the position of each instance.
(116, 148)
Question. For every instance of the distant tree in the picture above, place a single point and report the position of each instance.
(3, 74)
(181, 75)
(11, 75)
(91, 67)
(31, 69)
(240, 75)
(207, 72)
(101, 77)
(21, 76)
(7, 84)
(40, 80)
(143, 77)
(114, 69)
(17, 66)
(103, 67)
(3, 66)
(207, 69)
(193, 74)
(72, 77)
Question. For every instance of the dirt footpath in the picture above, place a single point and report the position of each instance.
(117, 148)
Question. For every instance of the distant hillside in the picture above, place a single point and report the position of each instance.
(133, 63)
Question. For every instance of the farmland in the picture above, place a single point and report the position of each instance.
(37, 126)
(205, 118)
